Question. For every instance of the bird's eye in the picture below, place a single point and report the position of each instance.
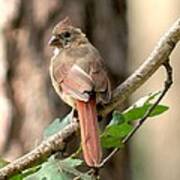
(67, 34)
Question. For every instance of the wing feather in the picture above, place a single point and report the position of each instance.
(77, 83)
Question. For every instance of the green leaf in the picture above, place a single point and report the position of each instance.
(118, 118)
(138, 110)
(16, 177)
(58, 124)
(71, 162)
(118, 131)
(152, 96)
(110, 142)
(145, 100)
(69, 165)
(113, 135)
(55, 169)
(31, 170)
(137, 113)
(115, 131)
(159, 109)
(119, 127)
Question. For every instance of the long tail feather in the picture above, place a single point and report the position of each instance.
(89, 132)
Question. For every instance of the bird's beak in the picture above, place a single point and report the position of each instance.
(54, 41)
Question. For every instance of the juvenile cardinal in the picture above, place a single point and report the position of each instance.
(80, 79)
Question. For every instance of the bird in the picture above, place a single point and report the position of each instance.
(80, 78)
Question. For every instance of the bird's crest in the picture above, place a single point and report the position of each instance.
(63, 25)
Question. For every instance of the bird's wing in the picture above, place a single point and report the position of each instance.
(74, 81)
(79, 76)
(102, 85)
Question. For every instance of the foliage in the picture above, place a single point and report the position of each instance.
(58, 124)
(119, 127)
(55, 169)
(121, 124)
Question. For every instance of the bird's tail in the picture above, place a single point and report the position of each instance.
(89, 132)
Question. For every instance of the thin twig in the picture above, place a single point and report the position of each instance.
(159, 55)
(167, 84)
(76, 154)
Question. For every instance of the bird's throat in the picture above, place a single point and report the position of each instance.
(56, 51)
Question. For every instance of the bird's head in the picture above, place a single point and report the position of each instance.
(65, 35)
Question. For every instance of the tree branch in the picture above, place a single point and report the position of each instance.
(159, 55)
(46, 148)
(167, 85)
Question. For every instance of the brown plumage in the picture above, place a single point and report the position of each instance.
(80, 79)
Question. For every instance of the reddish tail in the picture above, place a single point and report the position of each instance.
(89, 132)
